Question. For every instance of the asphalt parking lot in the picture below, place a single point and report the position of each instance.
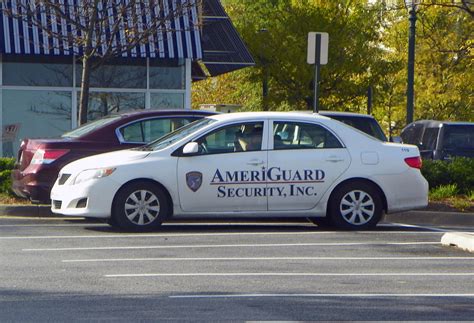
(70, 269)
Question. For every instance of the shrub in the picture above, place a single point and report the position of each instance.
(460, 171)
(6, 166)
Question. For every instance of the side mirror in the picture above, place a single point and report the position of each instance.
(191, 148)
(396, 139)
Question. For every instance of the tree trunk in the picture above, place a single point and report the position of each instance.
(84, 97)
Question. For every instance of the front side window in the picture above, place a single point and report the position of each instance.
(148, 130)
(234, 138)
(294, 135)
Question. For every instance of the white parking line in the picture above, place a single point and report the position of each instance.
(267, 259)
(242, 245)
(286, 274)
(167, 235)
(318, 295)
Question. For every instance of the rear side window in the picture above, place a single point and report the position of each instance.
(148, 130)
(429, 140)
(412, 134)
(294, 135)
(367, 125)
(459, 137)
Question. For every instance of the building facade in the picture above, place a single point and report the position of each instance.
(40, 83)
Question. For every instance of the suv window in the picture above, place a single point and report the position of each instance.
(459, 137)
(292, 135)
(430, 137)
(412, 135)
(151, 129)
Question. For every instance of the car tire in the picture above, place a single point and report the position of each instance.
(322, 222)
(356, 206)
(140, 206)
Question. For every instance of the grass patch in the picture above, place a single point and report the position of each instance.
(443, 191)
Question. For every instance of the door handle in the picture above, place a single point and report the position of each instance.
(255, 162)
(334, 159)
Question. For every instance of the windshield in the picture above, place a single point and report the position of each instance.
(90, 126)
(177, 135)
(459, 137)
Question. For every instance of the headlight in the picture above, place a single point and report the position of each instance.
(92, 174)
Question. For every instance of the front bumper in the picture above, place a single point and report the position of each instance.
(93, 198)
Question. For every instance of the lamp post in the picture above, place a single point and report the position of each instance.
(411, 6)
(264, 62)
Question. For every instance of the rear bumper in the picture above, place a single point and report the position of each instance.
(33, 184)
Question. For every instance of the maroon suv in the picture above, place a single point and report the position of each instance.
(40, 160)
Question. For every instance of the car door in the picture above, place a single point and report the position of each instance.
(226, 175)
(303, 162)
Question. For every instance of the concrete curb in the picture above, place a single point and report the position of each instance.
(27, 211)
(464, 241)
(432, 218)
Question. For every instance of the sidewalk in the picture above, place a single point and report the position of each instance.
(462, 240)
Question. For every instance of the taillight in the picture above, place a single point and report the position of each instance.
(47, 156)
(414, 162)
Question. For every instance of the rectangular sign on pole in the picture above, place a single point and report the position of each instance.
(323, 49)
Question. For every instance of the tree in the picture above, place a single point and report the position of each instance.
(444, 61)
(97, 30)
(280, 52)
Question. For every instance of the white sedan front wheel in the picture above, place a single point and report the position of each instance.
(140, 206)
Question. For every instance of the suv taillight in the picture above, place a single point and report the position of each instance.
(47, 156)
(414, 162)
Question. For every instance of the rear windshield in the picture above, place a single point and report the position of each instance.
(367, 125)
(459, 137)
(90, 127)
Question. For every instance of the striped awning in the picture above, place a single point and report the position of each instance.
(177, 36)
(223, 49)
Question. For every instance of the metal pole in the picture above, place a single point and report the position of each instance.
(369, 100)
(265, 88)
(411, 66)
(317, 65)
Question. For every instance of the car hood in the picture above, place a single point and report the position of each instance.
(111, 159)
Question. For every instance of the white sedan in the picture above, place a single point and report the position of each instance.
(265, 164)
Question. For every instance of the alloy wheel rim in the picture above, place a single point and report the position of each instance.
(142, 207)
(357, 207)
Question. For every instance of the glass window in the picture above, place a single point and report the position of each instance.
(412, 134)
(160, 101)
(459, 137)
(292, 135)
(33, 114)
(105, 103)
(37, 74)
(90, 127)
(366, 125)
(235, 138)
(149, 130)
(429, 138)
(177, 135)
(115, 76)
(167, 77)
